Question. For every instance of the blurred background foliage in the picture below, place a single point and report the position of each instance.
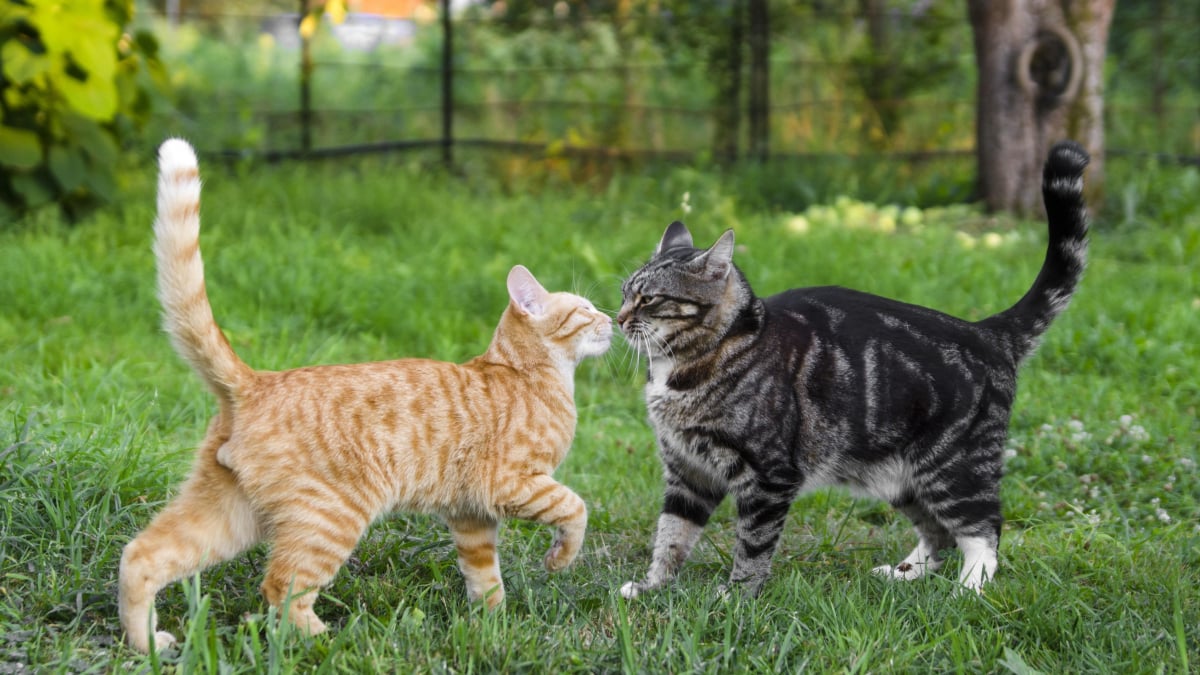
(858, 83)
(74, 86)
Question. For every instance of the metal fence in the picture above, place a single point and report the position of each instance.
(587, 87)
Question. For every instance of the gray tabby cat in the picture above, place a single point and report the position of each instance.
(764, 398)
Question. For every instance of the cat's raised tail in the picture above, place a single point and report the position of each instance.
(1022, 325)
(187, 314)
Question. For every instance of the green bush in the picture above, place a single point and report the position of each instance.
(73, 85)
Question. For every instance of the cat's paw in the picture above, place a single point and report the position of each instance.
(560, 556)
(632, 589)
(163, 640)
(307, 622)
(905, 571)
(740, 590)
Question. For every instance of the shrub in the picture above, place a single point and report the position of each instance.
(73, 85)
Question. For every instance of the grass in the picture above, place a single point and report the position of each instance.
(373, 259)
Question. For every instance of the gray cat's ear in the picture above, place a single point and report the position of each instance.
(715, 263)
(526, 293)
(676, 235)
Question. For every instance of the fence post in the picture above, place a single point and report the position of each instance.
(760, 131)
(306, 68)
(447, 86)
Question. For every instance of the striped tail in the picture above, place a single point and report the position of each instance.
(187, 314)
(1022, 325)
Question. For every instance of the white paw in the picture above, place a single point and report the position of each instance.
(630, 590)
(905, 571)
(163, 640)
(973, 582)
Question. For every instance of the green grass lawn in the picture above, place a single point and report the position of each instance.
(375, 259)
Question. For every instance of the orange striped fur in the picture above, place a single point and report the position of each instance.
(308, 458)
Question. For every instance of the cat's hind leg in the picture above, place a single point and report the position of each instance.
(966, 503)
(686, 510)
(475, 540)
(979, 561)
(314, 529)
(926, 557)
(209, 521)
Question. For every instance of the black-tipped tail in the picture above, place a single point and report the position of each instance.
(1022, 325)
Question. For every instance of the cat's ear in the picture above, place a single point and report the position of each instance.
(676, 235)
(715, 263)
(525, 292)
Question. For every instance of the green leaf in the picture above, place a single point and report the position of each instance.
(67, 167)
(20, 64)
(93, 97)
(19, 148)
(95, 141)
(146, 43)
(74, 27)
(1016, 665)
(101, 183)
(33, 189)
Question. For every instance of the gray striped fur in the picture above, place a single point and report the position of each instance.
(763, 398)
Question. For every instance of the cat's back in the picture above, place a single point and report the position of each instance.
(854, 319)
(363, 407)
(406, 405)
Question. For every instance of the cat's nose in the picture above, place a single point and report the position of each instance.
(623, 316)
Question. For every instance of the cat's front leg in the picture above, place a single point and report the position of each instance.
(543, 500)
(762, 512)
(686, 510)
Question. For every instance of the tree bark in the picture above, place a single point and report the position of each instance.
(760, 124)
(726, 66)
(1041, 69)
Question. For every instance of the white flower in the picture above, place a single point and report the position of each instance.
(1075, 425)
(1080, 437)
(686, 205)
(1125, 421)
(1187, 463)
(1009, 453)
(1162, 515)
(1046, 428)
(1138, 433)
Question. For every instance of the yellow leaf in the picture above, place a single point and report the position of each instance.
(336, 9)
(308, 26)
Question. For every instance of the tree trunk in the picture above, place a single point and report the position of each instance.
(759, 108)
(878, 70)
(1041, 69)
(726, 66)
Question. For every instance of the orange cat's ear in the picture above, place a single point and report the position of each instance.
(525, 292)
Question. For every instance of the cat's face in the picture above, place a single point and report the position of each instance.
(567, 323)
(670, 299)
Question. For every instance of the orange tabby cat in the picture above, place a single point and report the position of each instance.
(307, 458)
